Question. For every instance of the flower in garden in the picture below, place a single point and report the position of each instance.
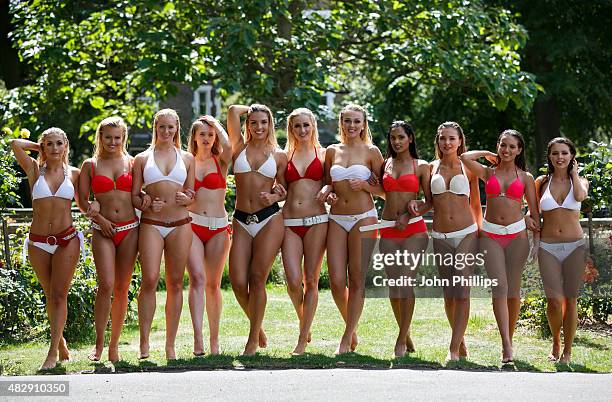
(7, 131)
(25, 133)
(590, 271)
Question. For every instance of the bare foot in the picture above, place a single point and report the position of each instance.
(95, 354)
(144, 351)
(345, 345)
(565, 357)
(400, 348)
(64, 353)
(250, 348)
(170, 353)
(50, 362)
(214, 348)
(198, 347)
(452, 357)
(354, 342)
(300, 348)
(554, 354)
(113, 354)
(263, 339)
(463, 350)
(409, 345)
(309, 339)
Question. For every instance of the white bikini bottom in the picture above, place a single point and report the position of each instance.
(561, 250)
(453, 239)
(348, 221)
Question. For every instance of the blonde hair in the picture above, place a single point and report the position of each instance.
(271, 137)
(116, 122)
(454, 125)
(192, 145)
(171, 113)
(314, 138)
(365, 134)
(42, 158)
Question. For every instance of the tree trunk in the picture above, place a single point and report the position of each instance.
(547, 124)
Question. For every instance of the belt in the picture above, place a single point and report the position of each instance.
(309, 221)
(388, 224)
(512, 228)
(59, 239)
(210, 222)
(168, 224)
(118, 228)
(459, 233)
(258, 216)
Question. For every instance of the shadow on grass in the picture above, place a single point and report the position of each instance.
(573, 368)
(468, 365)
(522, 365)
(582, 341)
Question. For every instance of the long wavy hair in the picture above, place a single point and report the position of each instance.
(454, 125)
(172, 113)
(550, 168)
(291, 140)
(192, 145)
(365, 134)
(271, 137)
(519, 160)
(42, 158)
(114, 121)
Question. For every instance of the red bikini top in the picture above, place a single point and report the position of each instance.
(406, 183)
(102, 184)
(314, 171)
(515, 190)
(212, 181)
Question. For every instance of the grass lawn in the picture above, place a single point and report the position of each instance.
(377, 331)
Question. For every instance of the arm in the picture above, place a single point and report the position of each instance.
(581, 185)
(186, 196)
(469, 160)
(92, 209)
(76, 174)
(328, 187)
(139, 200)
(533, 223)
(27, 163)
(233, 126)
(279, 192)
(475, 206)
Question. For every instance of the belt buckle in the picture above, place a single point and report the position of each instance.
(252, 219)
(308, 221)
(54, 240)
(167, 224)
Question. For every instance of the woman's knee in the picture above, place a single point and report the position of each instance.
(58, 297)
(212, 286)
(105, 288)
(196, 280)
(555, 304)
(149, 283)
(311, 284)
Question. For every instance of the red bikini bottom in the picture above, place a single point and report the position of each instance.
(204, 233)
(399, 235)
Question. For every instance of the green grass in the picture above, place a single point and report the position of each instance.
(377, 332)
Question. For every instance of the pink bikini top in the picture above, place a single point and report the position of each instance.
(515, 190)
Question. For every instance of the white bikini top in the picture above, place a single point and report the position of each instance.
(548, 202)
(151, 173)
(242, 165)
(339, 173)
(41, 189)
(459, 184)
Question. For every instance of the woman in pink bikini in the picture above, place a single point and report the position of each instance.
(52, 244)
(210, 146)
(348, 166)
(504, 237)
(403, 173)
(115, 237)
(457, 215)
(562, 247)
(305, 219)
(167, 174)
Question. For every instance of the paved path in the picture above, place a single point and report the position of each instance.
(334, 384)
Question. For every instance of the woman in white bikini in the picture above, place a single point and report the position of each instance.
(115, 238)
(348, 166)
(504, 237)
(210, 146)
(258, 224)
(167, 174)
(403, 173)
(305, 219)
(53, 243)
(562, 249)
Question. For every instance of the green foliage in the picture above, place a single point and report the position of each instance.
(598, 171)
(10, 180)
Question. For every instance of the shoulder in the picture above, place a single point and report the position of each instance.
(280, 155)
(74, 171)
(374, 151)
(87, 164)
(527, 176)
(321, 152)
(187, 156)
(142, 156)
(539, 180)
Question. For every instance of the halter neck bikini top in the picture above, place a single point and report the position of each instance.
(41, 189)
(548, 202)
(459, 184)
(515, 190)
(314, 171)
(339, 173)
(267, 169)
(103, 184)
(211, 181)
(406, 183)
(151, 173)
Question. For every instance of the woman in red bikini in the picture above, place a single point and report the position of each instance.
(52, 244)
(209, 144)
(457, 214)
(504, 236)
(348, 167)
(115, 237)
(402, 175)
(305, 219)
(562, 250)
(258, 224)
(167, 174)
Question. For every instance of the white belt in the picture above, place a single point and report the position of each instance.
(210, 222)
(309, 221)
(387, 224)
(512, 228)
(118, 228)
(459, 233)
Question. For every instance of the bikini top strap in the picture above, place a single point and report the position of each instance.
(414, 167)
(93, 168)
(218, 166)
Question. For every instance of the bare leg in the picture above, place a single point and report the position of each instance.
(552, 278)
(196, 270)
(217, 249)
